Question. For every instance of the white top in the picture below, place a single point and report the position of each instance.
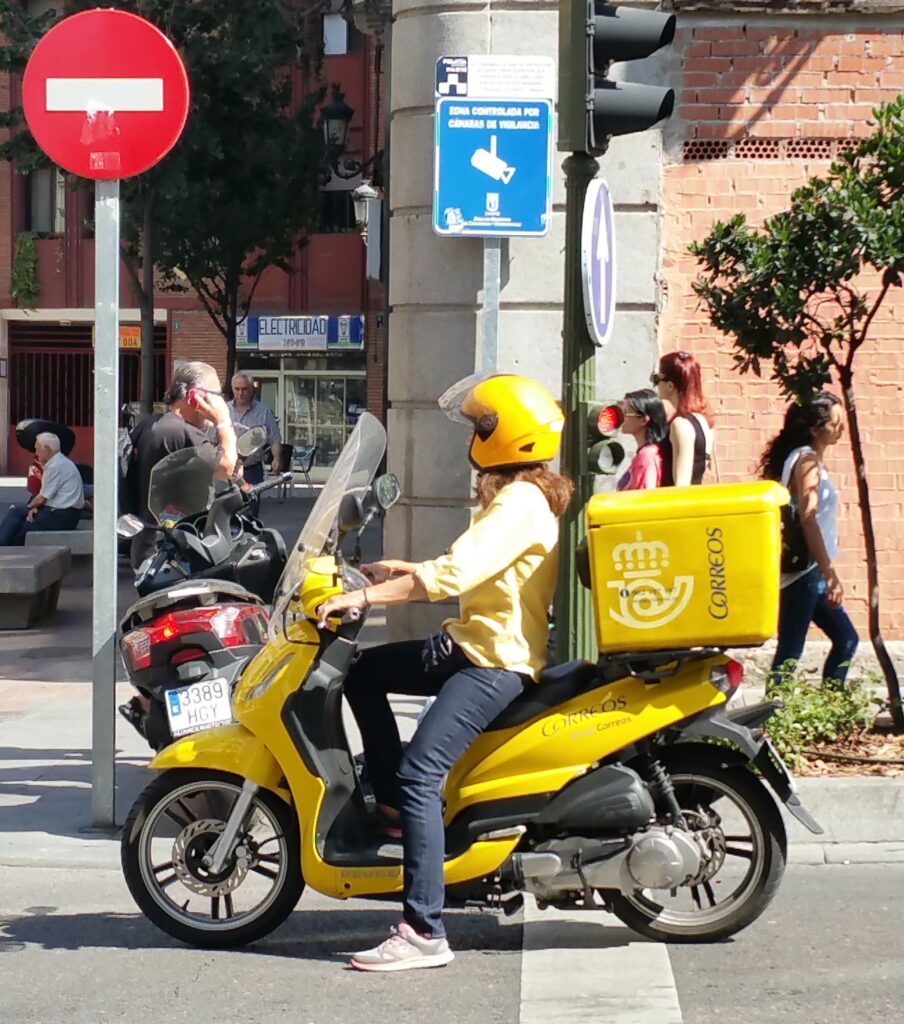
(61, 484)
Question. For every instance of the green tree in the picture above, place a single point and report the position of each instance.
(241, 186)
(801, 293)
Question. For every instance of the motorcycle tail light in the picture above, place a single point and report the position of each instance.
(234, 625)
(136, 646)
(728, 677)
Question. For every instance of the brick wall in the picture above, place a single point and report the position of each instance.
(194, 336)
(764, 106)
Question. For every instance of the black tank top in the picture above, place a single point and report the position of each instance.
(700, 457)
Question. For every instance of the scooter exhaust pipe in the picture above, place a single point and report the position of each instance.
(535, 865)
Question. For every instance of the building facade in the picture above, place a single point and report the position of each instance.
(768, 94)
(315, 336)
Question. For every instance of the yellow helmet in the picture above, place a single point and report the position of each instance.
(516, 421)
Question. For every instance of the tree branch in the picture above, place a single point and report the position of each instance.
(208, 306)
(250, 299)
(858, 341)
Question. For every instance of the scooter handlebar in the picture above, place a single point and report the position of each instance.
(266, 485)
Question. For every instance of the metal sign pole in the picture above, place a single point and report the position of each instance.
(492, 273)
(106, 504)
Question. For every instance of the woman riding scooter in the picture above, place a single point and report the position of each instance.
(503, 569)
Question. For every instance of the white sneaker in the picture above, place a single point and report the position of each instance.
(404, 950)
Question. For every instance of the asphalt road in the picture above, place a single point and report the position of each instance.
(829, 950)
(74, 950)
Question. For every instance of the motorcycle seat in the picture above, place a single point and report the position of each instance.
(555, 686)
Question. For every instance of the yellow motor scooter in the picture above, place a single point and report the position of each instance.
(600, 787)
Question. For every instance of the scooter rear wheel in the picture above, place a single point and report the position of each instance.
(174, 822)
(747, 840)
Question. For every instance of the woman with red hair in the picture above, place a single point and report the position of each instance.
(687, 451)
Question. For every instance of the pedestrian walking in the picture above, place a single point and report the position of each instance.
(688, 449)
(795, 457)
(645, 421)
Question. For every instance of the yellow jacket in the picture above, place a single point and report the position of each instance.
(503, 570)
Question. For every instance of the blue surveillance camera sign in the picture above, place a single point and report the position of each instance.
(493, 168)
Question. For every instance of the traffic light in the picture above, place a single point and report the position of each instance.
(593, 36)
(605, 454)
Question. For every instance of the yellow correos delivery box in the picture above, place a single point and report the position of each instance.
(686, 566)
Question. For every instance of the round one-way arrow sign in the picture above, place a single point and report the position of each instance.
(105, 94)
(598, 260)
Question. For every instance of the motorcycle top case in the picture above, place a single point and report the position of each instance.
(686, 566)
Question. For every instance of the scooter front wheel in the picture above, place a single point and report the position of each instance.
(171, 827)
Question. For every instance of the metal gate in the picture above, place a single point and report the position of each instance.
(51, 373)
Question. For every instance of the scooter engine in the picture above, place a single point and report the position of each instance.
(658, 858)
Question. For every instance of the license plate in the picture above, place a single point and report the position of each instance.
(198, 706)
(779, 763)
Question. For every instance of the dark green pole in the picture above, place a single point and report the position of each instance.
(575, 633)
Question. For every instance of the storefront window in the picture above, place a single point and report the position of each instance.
(317, 399)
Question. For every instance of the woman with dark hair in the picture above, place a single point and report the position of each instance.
(687, 451)
(502, 570)
(794, 457)
(646, 422)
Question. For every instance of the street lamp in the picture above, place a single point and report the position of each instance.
(335, 119)
(362, 196)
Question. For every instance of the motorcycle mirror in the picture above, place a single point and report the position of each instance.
(251, 442)
(387, 490)
(129, 526)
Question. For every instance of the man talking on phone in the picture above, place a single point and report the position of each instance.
(196, 404)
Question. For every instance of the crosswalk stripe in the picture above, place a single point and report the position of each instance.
(588, 968)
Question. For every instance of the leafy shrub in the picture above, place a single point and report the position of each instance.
(817, 713)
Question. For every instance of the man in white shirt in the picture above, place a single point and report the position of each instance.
(59, 503)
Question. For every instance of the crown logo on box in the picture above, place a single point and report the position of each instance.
(642, 558)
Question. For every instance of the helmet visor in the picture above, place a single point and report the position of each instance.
(454, 400)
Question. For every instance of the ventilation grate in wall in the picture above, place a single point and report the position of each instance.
(699, 150)
(758, 149)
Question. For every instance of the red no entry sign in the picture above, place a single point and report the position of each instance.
(105, 94)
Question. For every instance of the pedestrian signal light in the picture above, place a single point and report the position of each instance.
(605, 454)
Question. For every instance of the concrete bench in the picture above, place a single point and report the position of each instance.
(78, 542)
(30, 582)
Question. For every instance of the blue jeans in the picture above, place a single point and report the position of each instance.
(468, 698)
(15, 525)
(254, 474)
(802, 602)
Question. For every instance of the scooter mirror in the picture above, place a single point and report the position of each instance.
(129, 526)
(387, 490)
(251, 442)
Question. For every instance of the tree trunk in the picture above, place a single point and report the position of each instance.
(230, 318)
(872, 567)
(148, 368)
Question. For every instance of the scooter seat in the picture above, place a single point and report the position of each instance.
(555, 686)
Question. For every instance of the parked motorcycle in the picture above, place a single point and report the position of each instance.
(204, 595)
(598, 788)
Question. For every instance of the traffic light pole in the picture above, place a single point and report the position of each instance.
(575, 636)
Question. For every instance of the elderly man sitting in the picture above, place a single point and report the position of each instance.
(59, 503)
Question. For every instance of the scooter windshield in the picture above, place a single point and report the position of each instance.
(182, 484)
(354, 471)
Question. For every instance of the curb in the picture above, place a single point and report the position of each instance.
(820, 854)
